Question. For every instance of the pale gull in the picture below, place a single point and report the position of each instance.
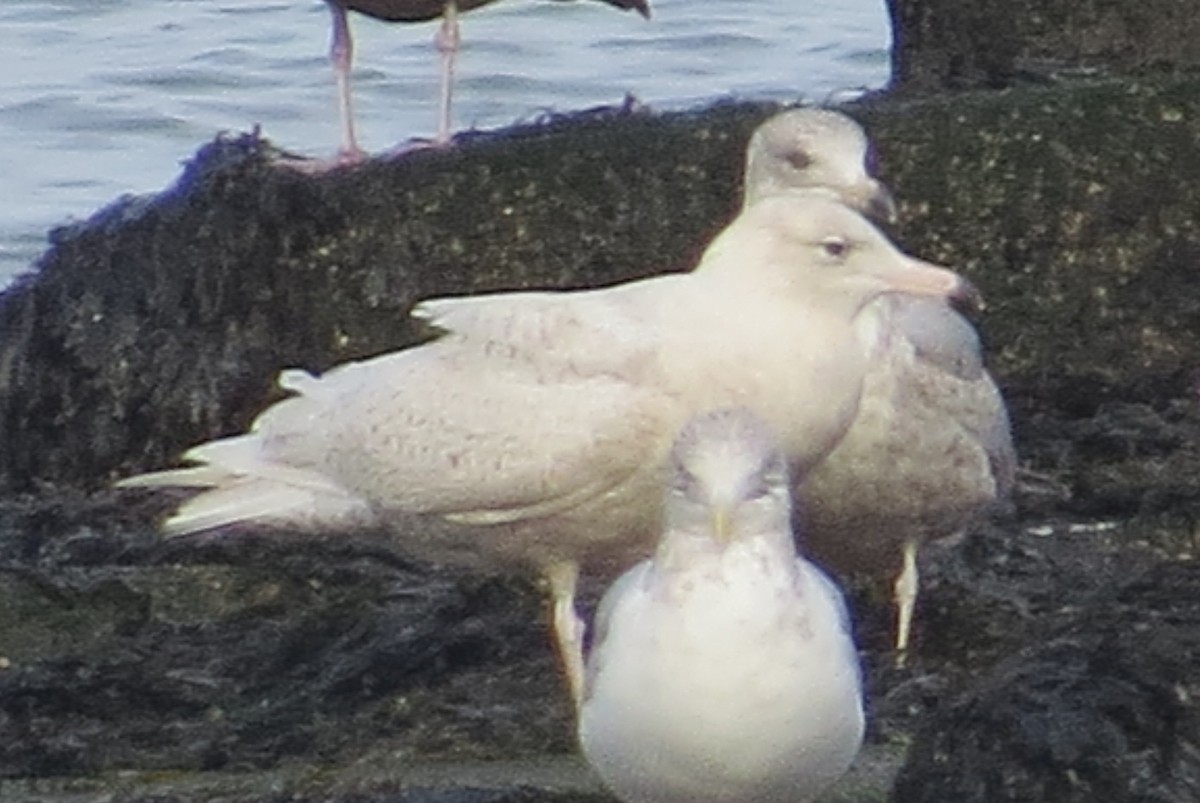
(930, 449)
(816, 149)
(723, 669)
(534, 430)
(341, 51)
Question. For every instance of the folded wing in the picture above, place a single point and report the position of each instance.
(526, 405)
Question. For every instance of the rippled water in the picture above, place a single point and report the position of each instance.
(104, 97)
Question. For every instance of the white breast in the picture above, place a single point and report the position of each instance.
(733, 682)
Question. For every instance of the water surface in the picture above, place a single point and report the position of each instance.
(106, 97)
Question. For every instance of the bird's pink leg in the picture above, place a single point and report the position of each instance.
(341, 53)
(447, 41)
(569, 629)
(906, 588)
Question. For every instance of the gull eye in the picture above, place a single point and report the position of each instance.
(799, 159)
(835, 247)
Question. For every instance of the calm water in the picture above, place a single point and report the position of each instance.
(104, 97)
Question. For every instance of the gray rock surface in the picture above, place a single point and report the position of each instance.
(944, 44)
(1106, 709)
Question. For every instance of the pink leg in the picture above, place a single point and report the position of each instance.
(568, 627)
(906, 588)
(447, 41)
(341, 53)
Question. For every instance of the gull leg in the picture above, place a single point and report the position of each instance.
(341, 53)
(568, 627)
(906, 588)
(447, 41)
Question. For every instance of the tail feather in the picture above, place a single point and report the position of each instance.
(255, 499)
(252, 478)
(190, 477)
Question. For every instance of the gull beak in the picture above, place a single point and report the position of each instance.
(880, 205)
(968, 300)
(872, 199)
(722, 524)
(916, 277)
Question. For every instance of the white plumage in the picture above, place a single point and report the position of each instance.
(533, 432)
(930, 448)
(723, 669)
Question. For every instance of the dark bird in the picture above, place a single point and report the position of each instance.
(447, 39)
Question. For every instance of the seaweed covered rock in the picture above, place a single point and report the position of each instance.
(162, 322)
(946, 44)
(270, 663)
(125, 651)
(1108, 708)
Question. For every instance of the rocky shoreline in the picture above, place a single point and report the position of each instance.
(1056, 651)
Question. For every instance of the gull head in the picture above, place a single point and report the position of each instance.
(727, 479)
(815, 149)
(806, 245)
